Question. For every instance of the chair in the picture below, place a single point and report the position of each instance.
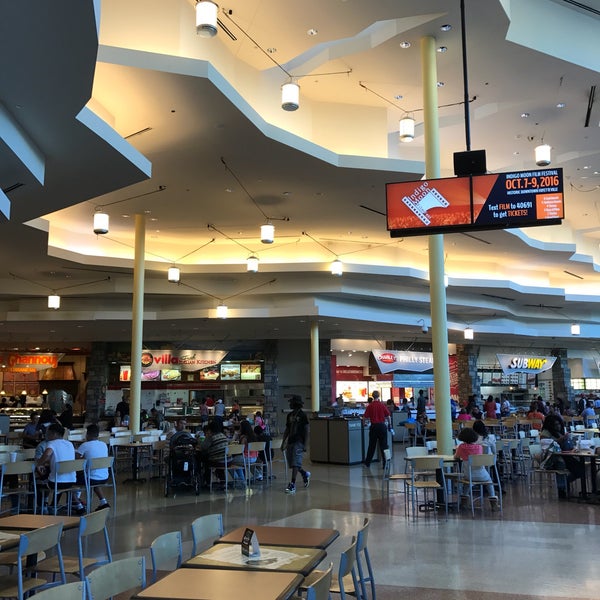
(231, 450)
(116, 577)
(165, 550)
(66, 591)
(121, 450)
(236, 451)
(411, 431)
(276, 445)
(102, 462)
(476, 461)
(256, 467)
(319, 586)
(30, 544)
(347, 576)
(388, 476)
(63, 467)
(207, 527)
(424, 469)
(158, 468)
(76, 565)
(363, 562)
(17, 480)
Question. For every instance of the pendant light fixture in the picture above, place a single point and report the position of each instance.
(222, 311)
(100, 222)
(468, 333)
(54, 301)
(337, 267)
(206, 18)
(252, 264)
(543, 155)
(173, 274)
(290, 96)
(407, 129)
(267, 233)
(575, 329)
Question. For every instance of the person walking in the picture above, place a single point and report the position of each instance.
(379, 417)
(294, 442)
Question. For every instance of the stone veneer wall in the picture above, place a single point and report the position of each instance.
(271, 383)
(468, 380)
(561, 376)
(325, 392)
(97, 379)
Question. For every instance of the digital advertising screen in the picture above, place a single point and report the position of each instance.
(495, 201)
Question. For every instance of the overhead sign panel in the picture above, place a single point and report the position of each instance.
(517, 363)
(497, 201)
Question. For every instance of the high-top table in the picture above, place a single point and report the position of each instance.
(301, 537)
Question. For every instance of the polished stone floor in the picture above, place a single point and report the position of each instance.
(539, 546)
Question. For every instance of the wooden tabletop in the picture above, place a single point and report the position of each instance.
(301, 537)
(288, 559)
(9, 539)
(219, 584)
(27, 522)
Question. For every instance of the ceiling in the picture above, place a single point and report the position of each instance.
(127, 109)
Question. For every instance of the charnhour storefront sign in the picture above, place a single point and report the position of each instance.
(30, 363)
(519, 363)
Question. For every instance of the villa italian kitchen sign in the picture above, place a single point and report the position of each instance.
(517, 363)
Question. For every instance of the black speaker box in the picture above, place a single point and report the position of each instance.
(469, 163)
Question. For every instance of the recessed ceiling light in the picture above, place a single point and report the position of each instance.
(560, 105)
(446, 27)
(587, 167)
(442, 49)
(398, 97)
(228, 190)
(125, 216)
(271, 50)
(440, 84)
(516, 153)
(312, 32)
(404, 44)
(525, 115)
(154, 219)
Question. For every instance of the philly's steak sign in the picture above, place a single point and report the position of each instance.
(392, 360)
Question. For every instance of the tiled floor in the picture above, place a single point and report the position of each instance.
(538, 547)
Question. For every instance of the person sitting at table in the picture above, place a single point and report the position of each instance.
(463, 415)
(589, 414)
(94, 448)
(212, 450)
(179, 435)
(469, 447)
(485, 438)
(553, 430)
(535, 416)
(31, 434)
(251, 456)
(58, 450)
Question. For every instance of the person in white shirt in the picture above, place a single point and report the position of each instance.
(58, 450)
(94, 448)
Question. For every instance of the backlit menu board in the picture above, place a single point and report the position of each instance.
(496, 201)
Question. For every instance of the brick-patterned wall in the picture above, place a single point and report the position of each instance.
(97, 379)
(468, 380)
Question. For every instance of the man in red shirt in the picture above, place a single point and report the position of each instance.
(380, 418)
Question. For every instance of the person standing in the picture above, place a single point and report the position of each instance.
(122, 411)
(380, 419)
(294, 442)
(421, 402)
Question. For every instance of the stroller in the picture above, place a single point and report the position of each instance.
(182, 467)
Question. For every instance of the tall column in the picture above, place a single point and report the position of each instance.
(314, 367)
(137, 324)
(439, 322)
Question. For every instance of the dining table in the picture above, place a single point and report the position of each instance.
(27, 522)
(291, 559)
(220, 584)
(135, 448)
(301, 537)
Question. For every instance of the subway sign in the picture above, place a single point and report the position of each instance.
(520, 363)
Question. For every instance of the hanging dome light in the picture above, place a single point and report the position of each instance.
(173, 274)
(252, 264)
(575, 329)
(468, 333)
(290, 96)
(543, 155)
(222, 311)
(267, 233)
(337, 267)
(407, 129)
(206, 18)
(54, 301)
(100, 222)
